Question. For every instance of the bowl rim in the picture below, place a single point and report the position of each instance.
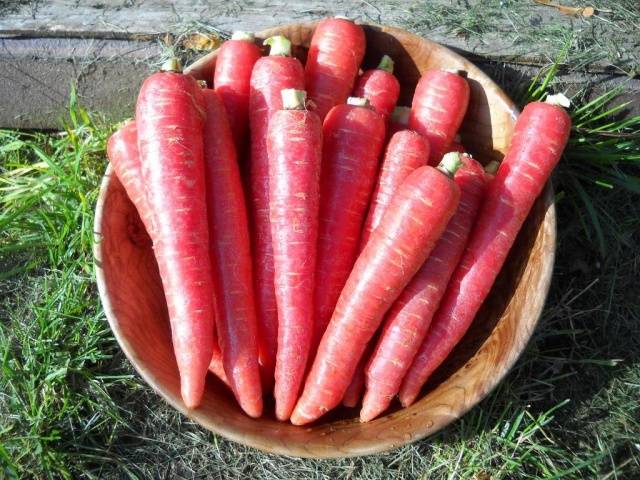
(374, 445)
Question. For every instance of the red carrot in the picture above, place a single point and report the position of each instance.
(216, 367)
(230, 253)
(380, 87)
(406, 151)
(122, 151)
(408, 319)
(234, 63)
(270, 76)
(336, 51)
(353, 136)
(294, 142)
(540, 135)
(170, 119)
(353, 393)
(410, 227)
(439, 104)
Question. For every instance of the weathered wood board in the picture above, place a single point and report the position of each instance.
(108, 47)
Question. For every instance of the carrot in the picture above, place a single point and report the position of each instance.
(408, 319)
(336, 51)
(122, 151)
(353, 136)
(540, 135)
(410, 227)
(380, 87)
(170, 120)
(216, 367)
(230, 253)
(270, 76)
(439, 104)
(406, 151)
(353, 393)
(231, 81)
(294, 142)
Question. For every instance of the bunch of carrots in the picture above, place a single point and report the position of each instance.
(314, 242)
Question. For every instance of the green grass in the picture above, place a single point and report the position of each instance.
(71, 406)
(517, 26)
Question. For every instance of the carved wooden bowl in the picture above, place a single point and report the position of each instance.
(133, 301)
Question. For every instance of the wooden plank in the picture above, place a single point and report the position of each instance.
(520, 30)
(107, 48)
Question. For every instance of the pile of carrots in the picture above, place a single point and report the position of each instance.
(313, 241)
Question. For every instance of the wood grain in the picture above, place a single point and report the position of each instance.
(133, 301)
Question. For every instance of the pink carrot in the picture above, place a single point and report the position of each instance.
(408, 319)
(216, 367)
(410, 227)
(231, 81)
(122, 151)
(439, 105)
(270, 76)
(353, 393)
(380, 87)
(336, 51)
(540, 135)
(406, 151)
(230, 253)
(294, 142)
(353, 136)
(170, 117)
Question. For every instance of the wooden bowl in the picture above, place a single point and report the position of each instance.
(133, 301)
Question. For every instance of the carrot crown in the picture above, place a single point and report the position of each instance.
(293, 99)
(240, 35)
(280, 45)
(450, 164)
(492, 167)
(358, 101)
(386, 64)
(172, 65)
(558, 99)
(400, 115)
